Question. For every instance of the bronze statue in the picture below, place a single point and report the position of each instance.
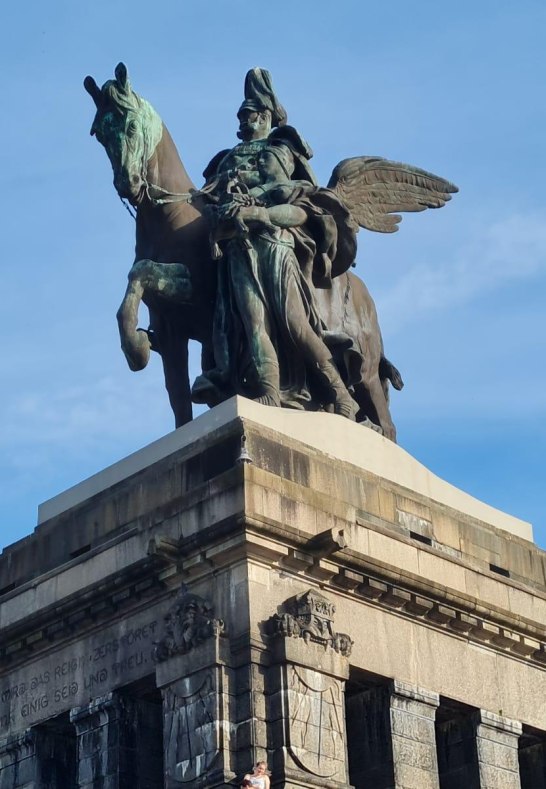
(255, 264)
(173, 271)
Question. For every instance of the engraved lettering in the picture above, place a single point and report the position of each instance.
(8, 694)
(66, 692)
(40, 679)
(34, 706)
(100, 676)
(128, 663)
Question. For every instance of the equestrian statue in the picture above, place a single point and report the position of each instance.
(255, 264)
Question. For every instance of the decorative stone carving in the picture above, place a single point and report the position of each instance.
(316, 728)
(189, 622)
(311, 616)
(192, 724)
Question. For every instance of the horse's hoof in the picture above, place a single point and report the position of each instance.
(137, 351)
(366, 422)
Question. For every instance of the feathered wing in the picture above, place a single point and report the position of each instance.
(375, 189)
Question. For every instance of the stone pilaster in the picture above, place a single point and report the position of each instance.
(197, 709)
(497, 751)
(305, 695)
(195, 677)
(37, 759)
(116, 744)
(412, 713)
(18, 761)
(391, 737)
(250, 710)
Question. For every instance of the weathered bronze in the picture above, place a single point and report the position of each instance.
(257, 260)
(170, 229)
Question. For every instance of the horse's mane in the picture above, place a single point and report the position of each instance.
(121, 100)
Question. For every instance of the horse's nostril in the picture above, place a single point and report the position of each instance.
(135, 179)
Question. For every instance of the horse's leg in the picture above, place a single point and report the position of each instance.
(170, 281)
(174, 355)
(134, 344)
(374, 387)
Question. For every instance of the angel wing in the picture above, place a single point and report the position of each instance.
(373, 189)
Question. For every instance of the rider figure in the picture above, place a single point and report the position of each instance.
(277, 236)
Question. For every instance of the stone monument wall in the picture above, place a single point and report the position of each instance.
(280, 586)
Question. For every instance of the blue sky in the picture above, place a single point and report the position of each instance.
(456, 88)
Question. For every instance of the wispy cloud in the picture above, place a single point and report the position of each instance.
(511, 249)
(78, 419)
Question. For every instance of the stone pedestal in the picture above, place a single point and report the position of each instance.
(392, 738)
(198, 608)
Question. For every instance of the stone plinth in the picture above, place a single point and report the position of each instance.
(320, 600)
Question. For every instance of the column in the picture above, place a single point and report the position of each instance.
(497, 751)
(391, 737)
(250, 745)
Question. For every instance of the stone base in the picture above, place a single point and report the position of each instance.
(319, 600)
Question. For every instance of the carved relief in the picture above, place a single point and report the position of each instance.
(311, 616)
(189, 622)
(192, 723)
(316, 731)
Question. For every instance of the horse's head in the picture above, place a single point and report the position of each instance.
(129, 129)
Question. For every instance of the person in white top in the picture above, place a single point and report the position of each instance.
(258, 779)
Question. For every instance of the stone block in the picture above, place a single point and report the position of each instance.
(393, 552)
(496, 778)
(497, 750)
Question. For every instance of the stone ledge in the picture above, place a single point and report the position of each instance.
(327, 433)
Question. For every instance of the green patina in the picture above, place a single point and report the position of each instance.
(128, 127)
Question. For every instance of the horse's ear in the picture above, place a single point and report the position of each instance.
(93, 89)
(122, 77)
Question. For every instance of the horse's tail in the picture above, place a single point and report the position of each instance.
(387, 370)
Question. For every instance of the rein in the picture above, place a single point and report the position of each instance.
(170, 197)
(167, 197)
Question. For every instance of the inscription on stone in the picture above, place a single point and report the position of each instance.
(72, 676)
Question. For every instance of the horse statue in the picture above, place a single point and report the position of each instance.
(174, 272)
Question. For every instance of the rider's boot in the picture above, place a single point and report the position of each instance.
(269, 383)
